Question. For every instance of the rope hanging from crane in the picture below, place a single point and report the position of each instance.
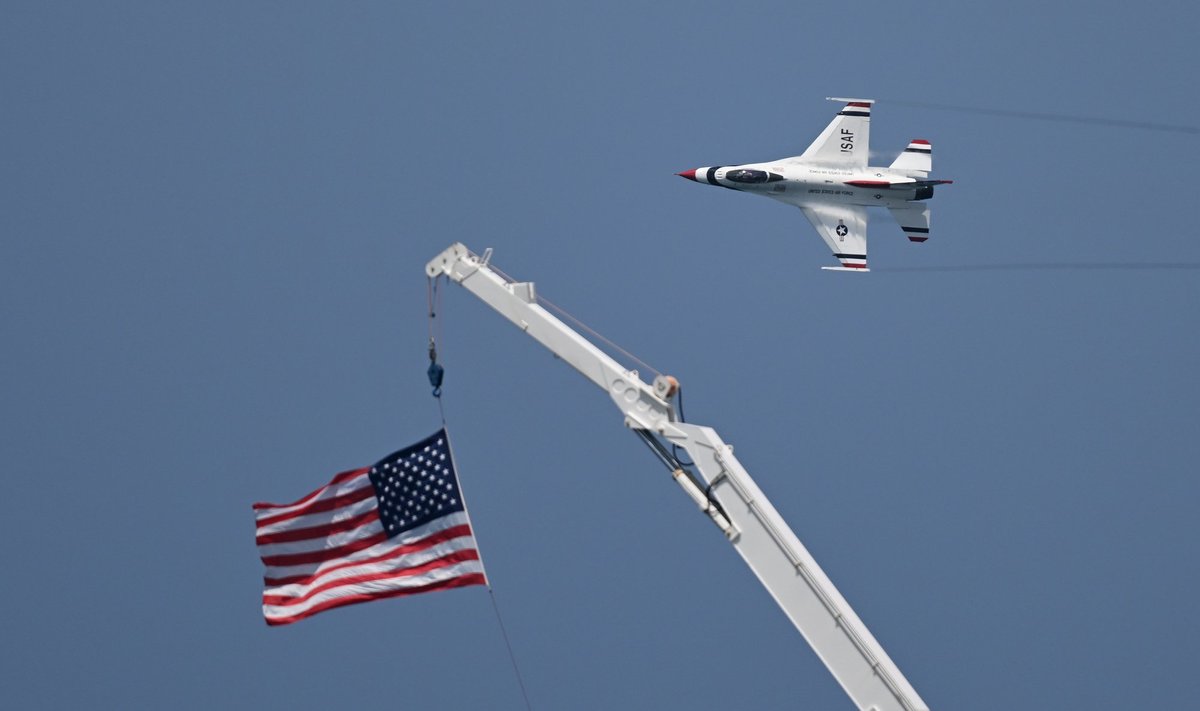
(435, 372)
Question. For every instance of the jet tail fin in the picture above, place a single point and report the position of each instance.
(845, 142)
(916, 160)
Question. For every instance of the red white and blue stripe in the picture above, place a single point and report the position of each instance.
(397, 528)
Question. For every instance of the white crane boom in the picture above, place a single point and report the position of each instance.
(719, 485)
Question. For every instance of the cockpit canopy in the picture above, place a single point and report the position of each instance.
(743, 175)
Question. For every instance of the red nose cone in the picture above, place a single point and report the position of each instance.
(689, 174)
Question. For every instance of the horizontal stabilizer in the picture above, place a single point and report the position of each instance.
(916, 160)
(863, 270)
(914, 220)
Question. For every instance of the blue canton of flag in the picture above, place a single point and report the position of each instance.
(416, 485)
(397, 528)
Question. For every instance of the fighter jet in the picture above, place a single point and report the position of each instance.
(833, 185)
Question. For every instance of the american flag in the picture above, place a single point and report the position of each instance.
(397, 528)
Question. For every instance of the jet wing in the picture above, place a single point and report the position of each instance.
(844, 229)
(846, 140)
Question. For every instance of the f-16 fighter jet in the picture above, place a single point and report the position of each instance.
(833, 185)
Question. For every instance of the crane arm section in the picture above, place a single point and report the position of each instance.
(517, 301)
(718, 483)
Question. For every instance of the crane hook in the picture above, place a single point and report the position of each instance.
(436, 371)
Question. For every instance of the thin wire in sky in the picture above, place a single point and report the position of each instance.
(1050, 266)
(1061, 118)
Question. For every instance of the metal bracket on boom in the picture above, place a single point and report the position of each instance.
(719, 485)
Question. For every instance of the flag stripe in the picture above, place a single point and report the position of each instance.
(324, 550)
(363, 492)
(346, 519)
(389, 558)
(469, 573)
(366, 574)
(339, 479)
(350, 506)
(431, 533)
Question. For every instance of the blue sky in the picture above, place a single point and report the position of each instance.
(215, 218)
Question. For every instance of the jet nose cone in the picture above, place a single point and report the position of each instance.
(689, 174)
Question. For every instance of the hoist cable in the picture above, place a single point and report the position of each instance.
(435, 374)
(565, 314)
